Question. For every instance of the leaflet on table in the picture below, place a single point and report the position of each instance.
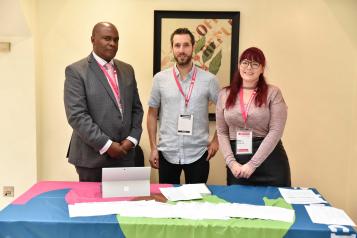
(185, 210)
(198, 187)
(185, 192)
(328, 215)
(300, 196)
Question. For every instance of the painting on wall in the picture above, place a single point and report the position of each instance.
(216, 46)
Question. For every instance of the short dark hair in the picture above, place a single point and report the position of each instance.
(182, 31)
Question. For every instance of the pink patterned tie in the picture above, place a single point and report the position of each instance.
(113, 82)
(110, 70)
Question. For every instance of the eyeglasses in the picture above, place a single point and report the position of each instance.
(244, 64)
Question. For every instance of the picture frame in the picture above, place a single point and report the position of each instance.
(216, 47)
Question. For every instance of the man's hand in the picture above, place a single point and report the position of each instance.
(151, 123)
(116, 150)
(154, 159)
(127, 145)
(212, 147)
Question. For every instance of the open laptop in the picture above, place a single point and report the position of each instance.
(126, 182)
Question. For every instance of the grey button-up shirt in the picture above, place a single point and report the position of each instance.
(183, 149)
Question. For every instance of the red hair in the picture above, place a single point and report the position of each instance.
(253, 54)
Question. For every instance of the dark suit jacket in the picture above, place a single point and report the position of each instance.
(94, 115)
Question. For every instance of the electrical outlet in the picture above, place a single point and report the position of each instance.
(8, 191)
(5, 47)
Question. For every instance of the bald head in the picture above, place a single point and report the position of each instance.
(99, 25)
(105, 40)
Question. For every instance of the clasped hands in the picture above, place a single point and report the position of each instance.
(120, 149)
(242, 171)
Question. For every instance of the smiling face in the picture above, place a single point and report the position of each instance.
(251, 66)
(182, 49)
(105, 40)
(250, 71)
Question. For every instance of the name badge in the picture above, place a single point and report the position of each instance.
(244, 143)
(184, 125)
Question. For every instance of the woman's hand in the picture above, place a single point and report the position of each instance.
(235, 168)
(246, 171)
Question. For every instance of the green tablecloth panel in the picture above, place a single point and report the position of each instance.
(186, 228)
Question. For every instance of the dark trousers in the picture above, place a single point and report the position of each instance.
(89, 174)
(95, 174)
(196, 172)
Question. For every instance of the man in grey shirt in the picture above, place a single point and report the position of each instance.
(182, 94)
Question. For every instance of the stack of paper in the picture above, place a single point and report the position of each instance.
(300, 196)
(185, 192)
(185, 210)
(261, 212)
(328, 215)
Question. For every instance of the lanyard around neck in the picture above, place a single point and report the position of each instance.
(244, 109)
(193, 79)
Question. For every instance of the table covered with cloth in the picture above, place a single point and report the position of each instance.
(42, 212)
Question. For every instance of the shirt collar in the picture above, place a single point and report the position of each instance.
(101, 61)
(188, 75)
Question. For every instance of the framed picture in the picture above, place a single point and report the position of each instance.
(216, 47)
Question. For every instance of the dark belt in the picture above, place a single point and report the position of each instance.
(255, 139)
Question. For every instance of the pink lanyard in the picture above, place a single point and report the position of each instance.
(193, 79)
(112, 82)
(243, 109)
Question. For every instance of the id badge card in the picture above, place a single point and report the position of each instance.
(244, 143)
(184, 125)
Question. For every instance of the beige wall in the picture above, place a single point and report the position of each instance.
(17, 102)
(311, 48)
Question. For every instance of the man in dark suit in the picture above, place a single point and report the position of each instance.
(103, 107)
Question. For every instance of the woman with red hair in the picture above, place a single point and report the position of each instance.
(250, 119)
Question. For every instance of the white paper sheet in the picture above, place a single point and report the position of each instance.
(187, 210)
(104, 208)
(197, 187)
(257, 212)
(329, 215)
(300, 196)
(180, 193)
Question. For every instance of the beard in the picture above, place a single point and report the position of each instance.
(183, 59)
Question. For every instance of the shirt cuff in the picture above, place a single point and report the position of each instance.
(132, 139)
(105, 147)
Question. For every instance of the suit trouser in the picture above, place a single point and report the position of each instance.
(196, 172)
(95, 174)
(89, 174)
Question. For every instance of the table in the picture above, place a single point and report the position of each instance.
(42, 212)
